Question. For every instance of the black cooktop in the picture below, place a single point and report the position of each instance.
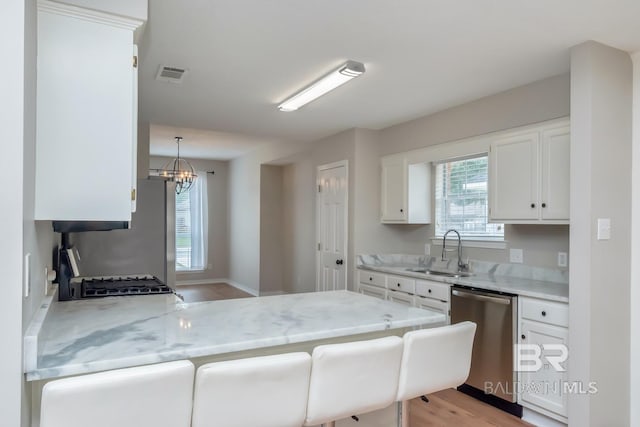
(97, 287)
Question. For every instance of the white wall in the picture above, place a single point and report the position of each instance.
(217, 197)
(635, 248)
(601, 106)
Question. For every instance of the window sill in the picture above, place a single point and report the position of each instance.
(473, 242)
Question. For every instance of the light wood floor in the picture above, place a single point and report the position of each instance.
(452, 408)
(210, 292)
(448, 408)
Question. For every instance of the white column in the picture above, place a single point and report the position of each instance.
(600, 282)
(12, 28)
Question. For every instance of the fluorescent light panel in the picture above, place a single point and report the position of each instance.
(334, 79)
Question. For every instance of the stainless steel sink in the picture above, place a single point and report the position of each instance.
(453, 274)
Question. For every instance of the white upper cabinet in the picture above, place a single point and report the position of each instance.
(529, 176)
(86, 115)
(555, 173)
(394, 184)
(406, 194)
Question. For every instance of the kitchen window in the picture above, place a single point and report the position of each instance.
(191, 232)
(461, 199)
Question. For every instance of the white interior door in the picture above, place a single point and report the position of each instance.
(332, 223)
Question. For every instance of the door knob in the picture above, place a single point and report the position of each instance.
(339, 262)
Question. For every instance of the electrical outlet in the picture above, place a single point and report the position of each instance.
(562, 259)
(427, 249)
(516, 256)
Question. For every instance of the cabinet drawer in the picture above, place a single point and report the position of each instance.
(373, 291)
(400, 297)
(369, 278)
(553, 313)
(430, 289)
(403, 284)
(432, 304)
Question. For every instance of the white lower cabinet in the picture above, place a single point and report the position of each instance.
(543, 327)
(408, 291)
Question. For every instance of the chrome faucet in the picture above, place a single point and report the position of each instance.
(461, 265)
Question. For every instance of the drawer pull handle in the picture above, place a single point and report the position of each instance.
(429, 290)
(398, 284)
(544, 313)
(370, 278)
(533, 205)
(523, 337)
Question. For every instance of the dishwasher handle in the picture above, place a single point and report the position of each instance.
(481, 297)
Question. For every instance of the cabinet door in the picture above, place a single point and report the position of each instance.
(513, 178)
(554, 197)
(394, 189)
(85, 119)
(544, 388)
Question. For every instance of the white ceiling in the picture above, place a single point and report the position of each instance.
(201, 143)
(422, 56)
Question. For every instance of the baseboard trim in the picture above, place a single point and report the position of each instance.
(242, 287)
(496, 402)
(269, 293)
(199, 282)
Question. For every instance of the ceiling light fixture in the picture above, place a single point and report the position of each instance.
(334, 79)
(179, 171)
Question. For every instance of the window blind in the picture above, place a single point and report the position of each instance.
(191, 226)
(461, 198)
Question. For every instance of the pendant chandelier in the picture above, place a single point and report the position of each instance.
(179, 171)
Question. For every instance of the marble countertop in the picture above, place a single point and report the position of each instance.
(83, 336)
(485, 278)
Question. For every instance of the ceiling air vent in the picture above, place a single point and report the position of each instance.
(171, 74)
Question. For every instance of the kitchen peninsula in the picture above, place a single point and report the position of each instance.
(84, 336)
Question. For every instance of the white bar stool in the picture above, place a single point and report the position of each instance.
(433, 360)
(146, 396)
(352, 378)
(269, 391)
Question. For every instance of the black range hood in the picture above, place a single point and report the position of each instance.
(80, 226)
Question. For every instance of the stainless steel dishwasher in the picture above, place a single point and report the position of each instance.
(492, 359)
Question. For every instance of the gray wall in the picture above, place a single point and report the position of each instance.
(244, 210)
(536, 102)
(218, 241)
(601, 103)
(271, 230)
(539, 101)
(298, 226)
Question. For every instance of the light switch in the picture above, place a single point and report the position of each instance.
(604, 229)
(516, 256)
